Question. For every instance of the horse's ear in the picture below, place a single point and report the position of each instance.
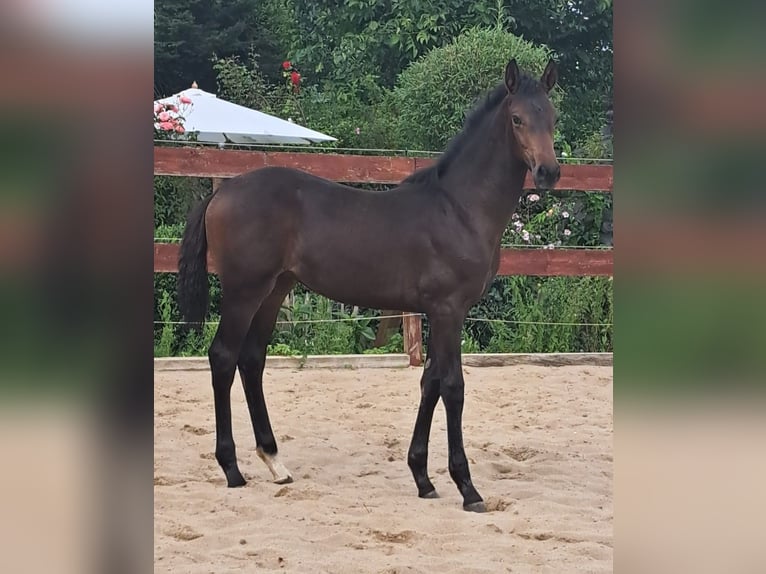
(550, 76)
(512, 76)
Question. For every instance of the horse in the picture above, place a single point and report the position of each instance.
(430, 245)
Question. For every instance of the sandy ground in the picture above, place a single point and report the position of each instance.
(539, 440)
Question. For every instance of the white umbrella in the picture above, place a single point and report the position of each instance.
(220, 121)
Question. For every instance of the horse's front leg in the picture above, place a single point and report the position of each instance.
(445, 340)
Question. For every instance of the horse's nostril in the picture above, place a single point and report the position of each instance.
(542, 172)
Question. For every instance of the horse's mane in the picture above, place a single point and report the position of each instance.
(486, 106)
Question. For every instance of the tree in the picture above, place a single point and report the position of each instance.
(346, 39)
(580, 34)
(358, 46)
(188, 32)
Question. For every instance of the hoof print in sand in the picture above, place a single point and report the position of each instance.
(184, 533)
(196, 430)
(396, 537)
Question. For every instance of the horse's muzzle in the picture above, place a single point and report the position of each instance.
(547, 176)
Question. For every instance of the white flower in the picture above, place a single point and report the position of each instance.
(515, 216)
(533, 197)
(567, 232)
(525, 235)
(551, 246)
(518, 224)
(565, 214)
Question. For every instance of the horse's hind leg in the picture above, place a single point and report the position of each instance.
(252, 360)
(417, 457)
(238, 308)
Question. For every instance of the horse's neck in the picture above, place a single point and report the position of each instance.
(487, 181)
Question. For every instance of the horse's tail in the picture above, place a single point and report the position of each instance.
(192, 283)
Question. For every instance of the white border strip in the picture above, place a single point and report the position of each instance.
(391, 361)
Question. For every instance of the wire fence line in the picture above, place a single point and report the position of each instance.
(421, 315)
(284, 322)
(558, 247)
(514, 245)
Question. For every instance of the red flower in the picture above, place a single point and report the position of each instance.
(286, 65)
(295, 78)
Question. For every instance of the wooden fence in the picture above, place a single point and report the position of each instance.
(221, 164)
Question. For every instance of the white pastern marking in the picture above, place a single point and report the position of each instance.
(278, 470)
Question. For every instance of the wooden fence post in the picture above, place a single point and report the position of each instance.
(412, 327)
(387, 327)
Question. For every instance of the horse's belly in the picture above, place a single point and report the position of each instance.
(374, 280)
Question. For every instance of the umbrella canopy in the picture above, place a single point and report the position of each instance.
(220, 121)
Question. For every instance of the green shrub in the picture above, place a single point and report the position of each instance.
(518, 315)
(164, 341)
(524, 314)
(175, 196)
(395, 345)
(468, 344)
(282, 350)
(433, 94)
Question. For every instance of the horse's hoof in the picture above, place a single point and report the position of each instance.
(475, 506)
(430, 494)
(236, 480)
(283, 480)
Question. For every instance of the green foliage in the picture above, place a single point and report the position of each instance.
(188, 32)
(468, 344)
(394, 345)
(174, 198)
(356, 124)
(171, 233)
(518, 314)
(197, 344)
(163, 345)
(433, 94)
(544, 315)
(356, 49)
(597, 146)
(568, 219)
(501, 339)
(355, 113)
(315, 325)
(580, 34)
(348, 39)
(243, 83)
(282, 350)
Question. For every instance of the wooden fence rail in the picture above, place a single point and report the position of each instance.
(221, 164)
(544, 262)
(210, 162)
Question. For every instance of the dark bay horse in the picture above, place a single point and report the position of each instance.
(431, 245)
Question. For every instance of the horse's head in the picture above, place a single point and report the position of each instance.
(531, 119)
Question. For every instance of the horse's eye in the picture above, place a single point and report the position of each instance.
(516, 121)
